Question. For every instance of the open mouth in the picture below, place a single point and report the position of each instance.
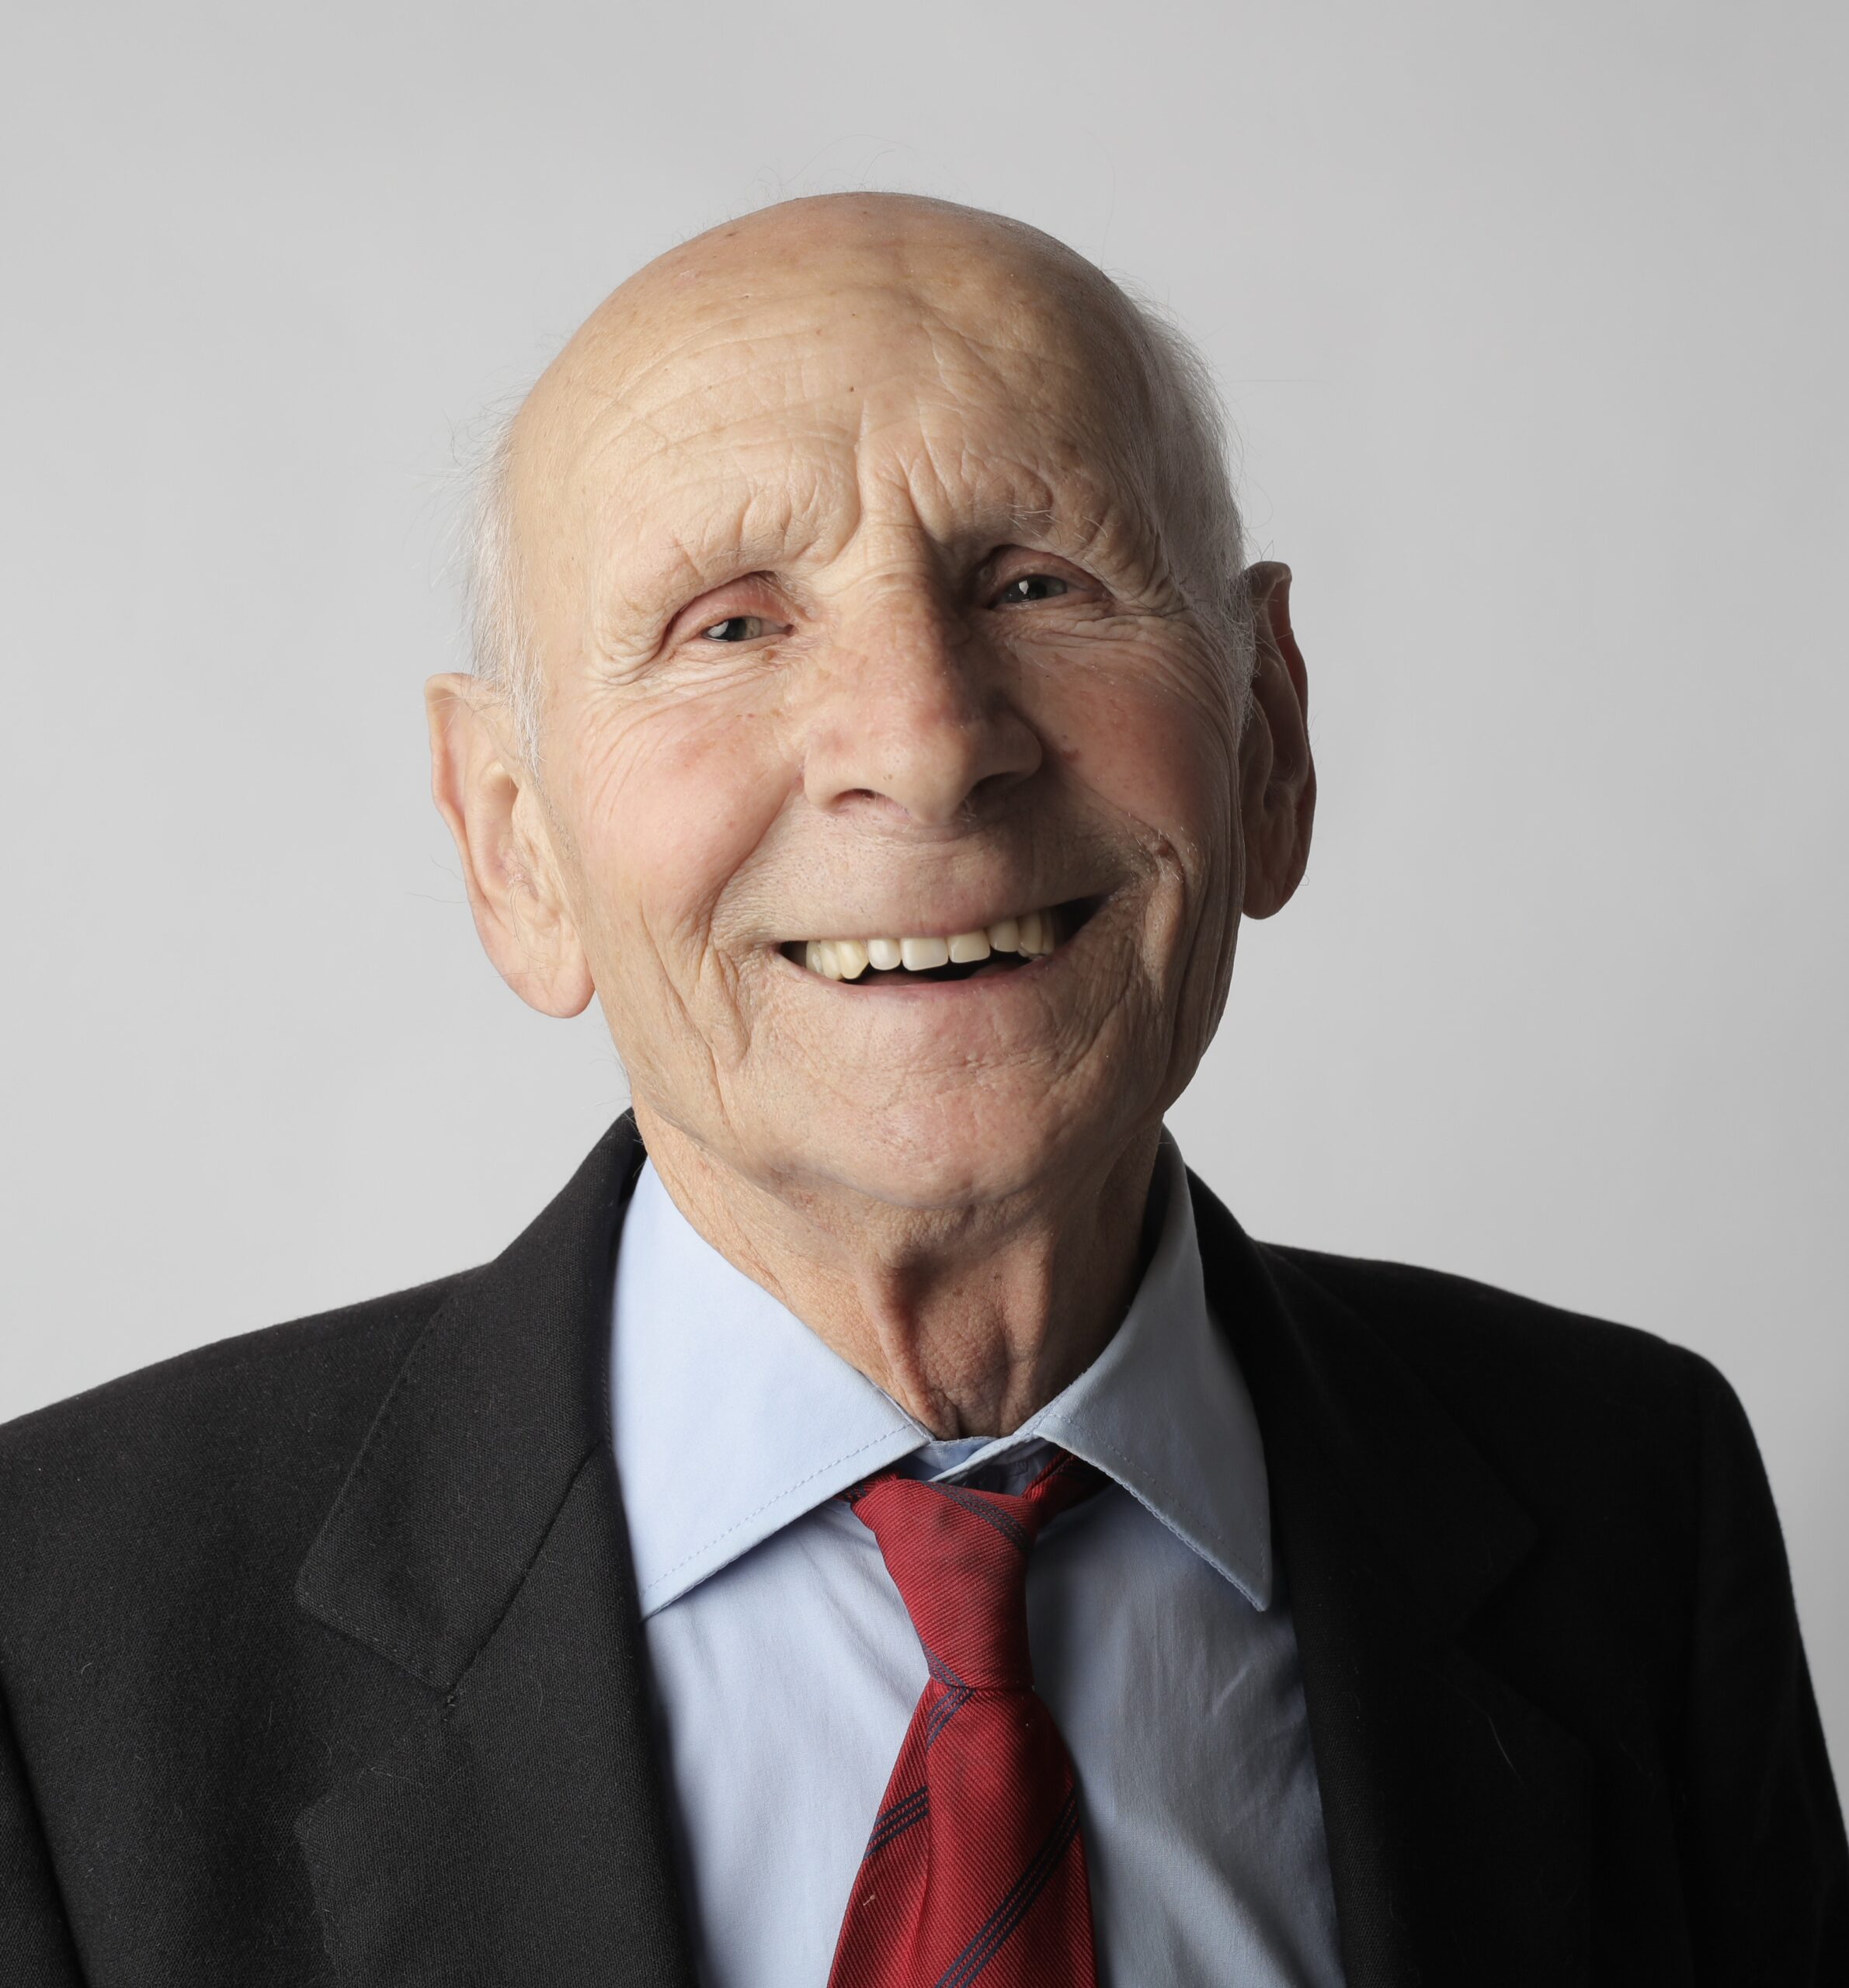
(1004, 947)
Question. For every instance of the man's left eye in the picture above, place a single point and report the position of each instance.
(1030, 587)
(736, 628)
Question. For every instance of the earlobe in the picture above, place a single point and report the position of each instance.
(1278, 773)
(509, 867)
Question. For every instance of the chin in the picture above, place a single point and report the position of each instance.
(954, 1151)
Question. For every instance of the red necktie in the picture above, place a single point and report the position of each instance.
(974, 1867)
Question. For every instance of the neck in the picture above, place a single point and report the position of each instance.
(970, 1318)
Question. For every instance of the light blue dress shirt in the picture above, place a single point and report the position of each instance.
(786, 1668)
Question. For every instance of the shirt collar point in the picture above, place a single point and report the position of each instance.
(656, 1591)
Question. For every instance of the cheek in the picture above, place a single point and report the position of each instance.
(668, 804)
(1154, 741)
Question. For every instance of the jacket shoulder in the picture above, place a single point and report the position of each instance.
(1438, 1319)
(242, 1419)
(346, 1332)
(1576, 1413)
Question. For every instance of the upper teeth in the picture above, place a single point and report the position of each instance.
(847, 959)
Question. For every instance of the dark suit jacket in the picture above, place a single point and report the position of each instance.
(320, 1659)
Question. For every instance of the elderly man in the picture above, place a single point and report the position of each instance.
(885, 1525)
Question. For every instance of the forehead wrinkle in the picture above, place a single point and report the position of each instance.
(751, 345)
(1097, 457)
(971, 341)
(577, 429)
(969, 491)
(968, 416)
(726, 457)
(711, 408)
(645, 564)
(682, 400)
(608, 365)
(689, 513)
(649, 548)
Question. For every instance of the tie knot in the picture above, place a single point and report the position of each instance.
(959, 1557)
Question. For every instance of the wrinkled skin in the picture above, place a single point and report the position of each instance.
(863, 608)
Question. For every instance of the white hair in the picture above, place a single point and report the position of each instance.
(1190, 447)
(1191, 431)
(502, 651)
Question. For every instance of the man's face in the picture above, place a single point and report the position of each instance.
(859, 621)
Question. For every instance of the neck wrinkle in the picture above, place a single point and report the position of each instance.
(971, 1324)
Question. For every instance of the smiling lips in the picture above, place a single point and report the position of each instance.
(1024, 938)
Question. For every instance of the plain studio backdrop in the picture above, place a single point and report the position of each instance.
(1531, 320)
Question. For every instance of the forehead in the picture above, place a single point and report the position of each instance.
(753, 412)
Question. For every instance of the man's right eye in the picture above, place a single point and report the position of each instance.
(736, 628)
(1031, 587)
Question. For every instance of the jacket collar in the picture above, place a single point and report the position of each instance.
(496, 1409)
(516, 1829)
(1453, 1808)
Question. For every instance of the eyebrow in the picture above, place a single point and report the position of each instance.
(649, 565)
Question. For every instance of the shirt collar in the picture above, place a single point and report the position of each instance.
(731, 1419)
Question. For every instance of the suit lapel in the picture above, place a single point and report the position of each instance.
(515, 1831)
(1454, 1809)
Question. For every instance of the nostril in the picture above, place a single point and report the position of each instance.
(930, 763)
(1005, 781)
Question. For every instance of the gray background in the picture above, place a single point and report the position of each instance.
(1532, 321)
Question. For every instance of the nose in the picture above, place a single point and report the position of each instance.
(914, 714)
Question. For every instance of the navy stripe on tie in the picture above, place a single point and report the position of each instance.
(895, 1821)
(942, 1673)
(943, 1711)
(979, 1506)
(1015, 1907)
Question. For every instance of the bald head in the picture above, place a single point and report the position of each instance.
(924, 298)
(823, 263)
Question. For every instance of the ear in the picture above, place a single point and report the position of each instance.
(498, 819)
(1277, 778)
